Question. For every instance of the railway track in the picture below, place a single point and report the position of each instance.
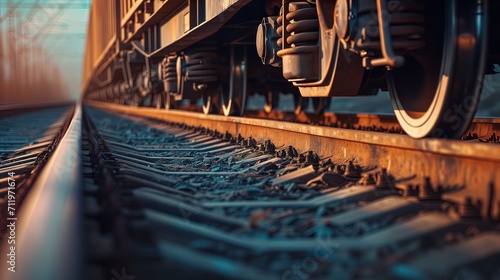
(276, 195)
(27, 142)
(144, 193)
(34, 159)
(266, 200)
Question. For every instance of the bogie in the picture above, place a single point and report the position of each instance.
(430, 55)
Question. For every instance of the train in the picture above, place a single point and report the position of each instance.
(431, 56)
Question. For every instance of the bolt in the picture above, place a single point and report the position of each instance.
(302, 158)
(312, 158)
(328, 163)
(239, 139)
(470, 210)
(227, 136)
(427, 192)
(269, 147)
(201, 86)
(352, 171)
(338, 169)
(292, 152)
(411, 190)
(252, 142)
(281, 154)
(262, 147)
(384, 180)
(368, 179)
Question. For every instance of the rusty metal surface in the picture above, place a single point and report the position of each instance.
(101, 45)
(50, 213)
(203, 30)
(45, 194)
(162, 10)
(462, 168)
(482, 127)
(210, 196)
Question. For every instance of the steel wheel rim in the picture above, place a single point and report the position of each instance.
(159, 101)
(169, 101)
(300, 103)
(272, 101)
(135, 100)
(234, 101)
(432, 112)
(321, 104)
(207, 104)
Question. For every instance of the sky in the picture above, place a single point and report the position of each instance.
(59, 27)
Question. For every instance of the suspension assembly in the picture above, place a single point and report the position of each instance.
(148, 82)
(354, 34)
(406, 26)
(267, 38)
(298, 53)
(299, 50)
(196, 70)
(376, 29)
(169, 74)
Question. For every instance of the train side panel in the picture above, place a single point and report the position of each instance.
(176, 26)
(215, 7)
(159, 26)
(101, 42)
(173, 19)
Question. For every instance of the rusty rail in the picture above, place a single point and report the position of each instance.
(461, 171)
(48, 230)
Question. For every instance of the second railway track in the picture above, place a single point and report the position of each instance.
(230, 197)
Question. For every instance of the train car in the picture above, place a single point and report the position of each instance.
(430, 55)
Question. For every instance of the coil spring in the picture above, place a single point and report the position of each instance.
(169, 73)
(303, 25)
(406, 26)
(201, 65)
(279, 30)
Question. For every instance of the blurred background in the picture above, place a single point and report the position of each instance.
(41, 49)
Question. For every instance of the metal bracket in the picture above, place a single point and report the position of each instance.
(389, 59)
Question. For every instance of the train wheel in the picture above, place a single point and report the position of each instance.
(208, 106)
(272, 101)
(211, 99)
(170, 102)
(234, 100)
(300, 103)
(160, 100)
(321, 104)
(437, 91)
(136, 100)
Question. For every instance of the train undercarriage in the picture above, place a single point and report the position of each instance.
(430, 55)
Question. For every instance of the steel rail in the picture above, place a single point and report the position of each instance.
(483, 127)
(460, 169)
(49, 228)
(18, 108)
